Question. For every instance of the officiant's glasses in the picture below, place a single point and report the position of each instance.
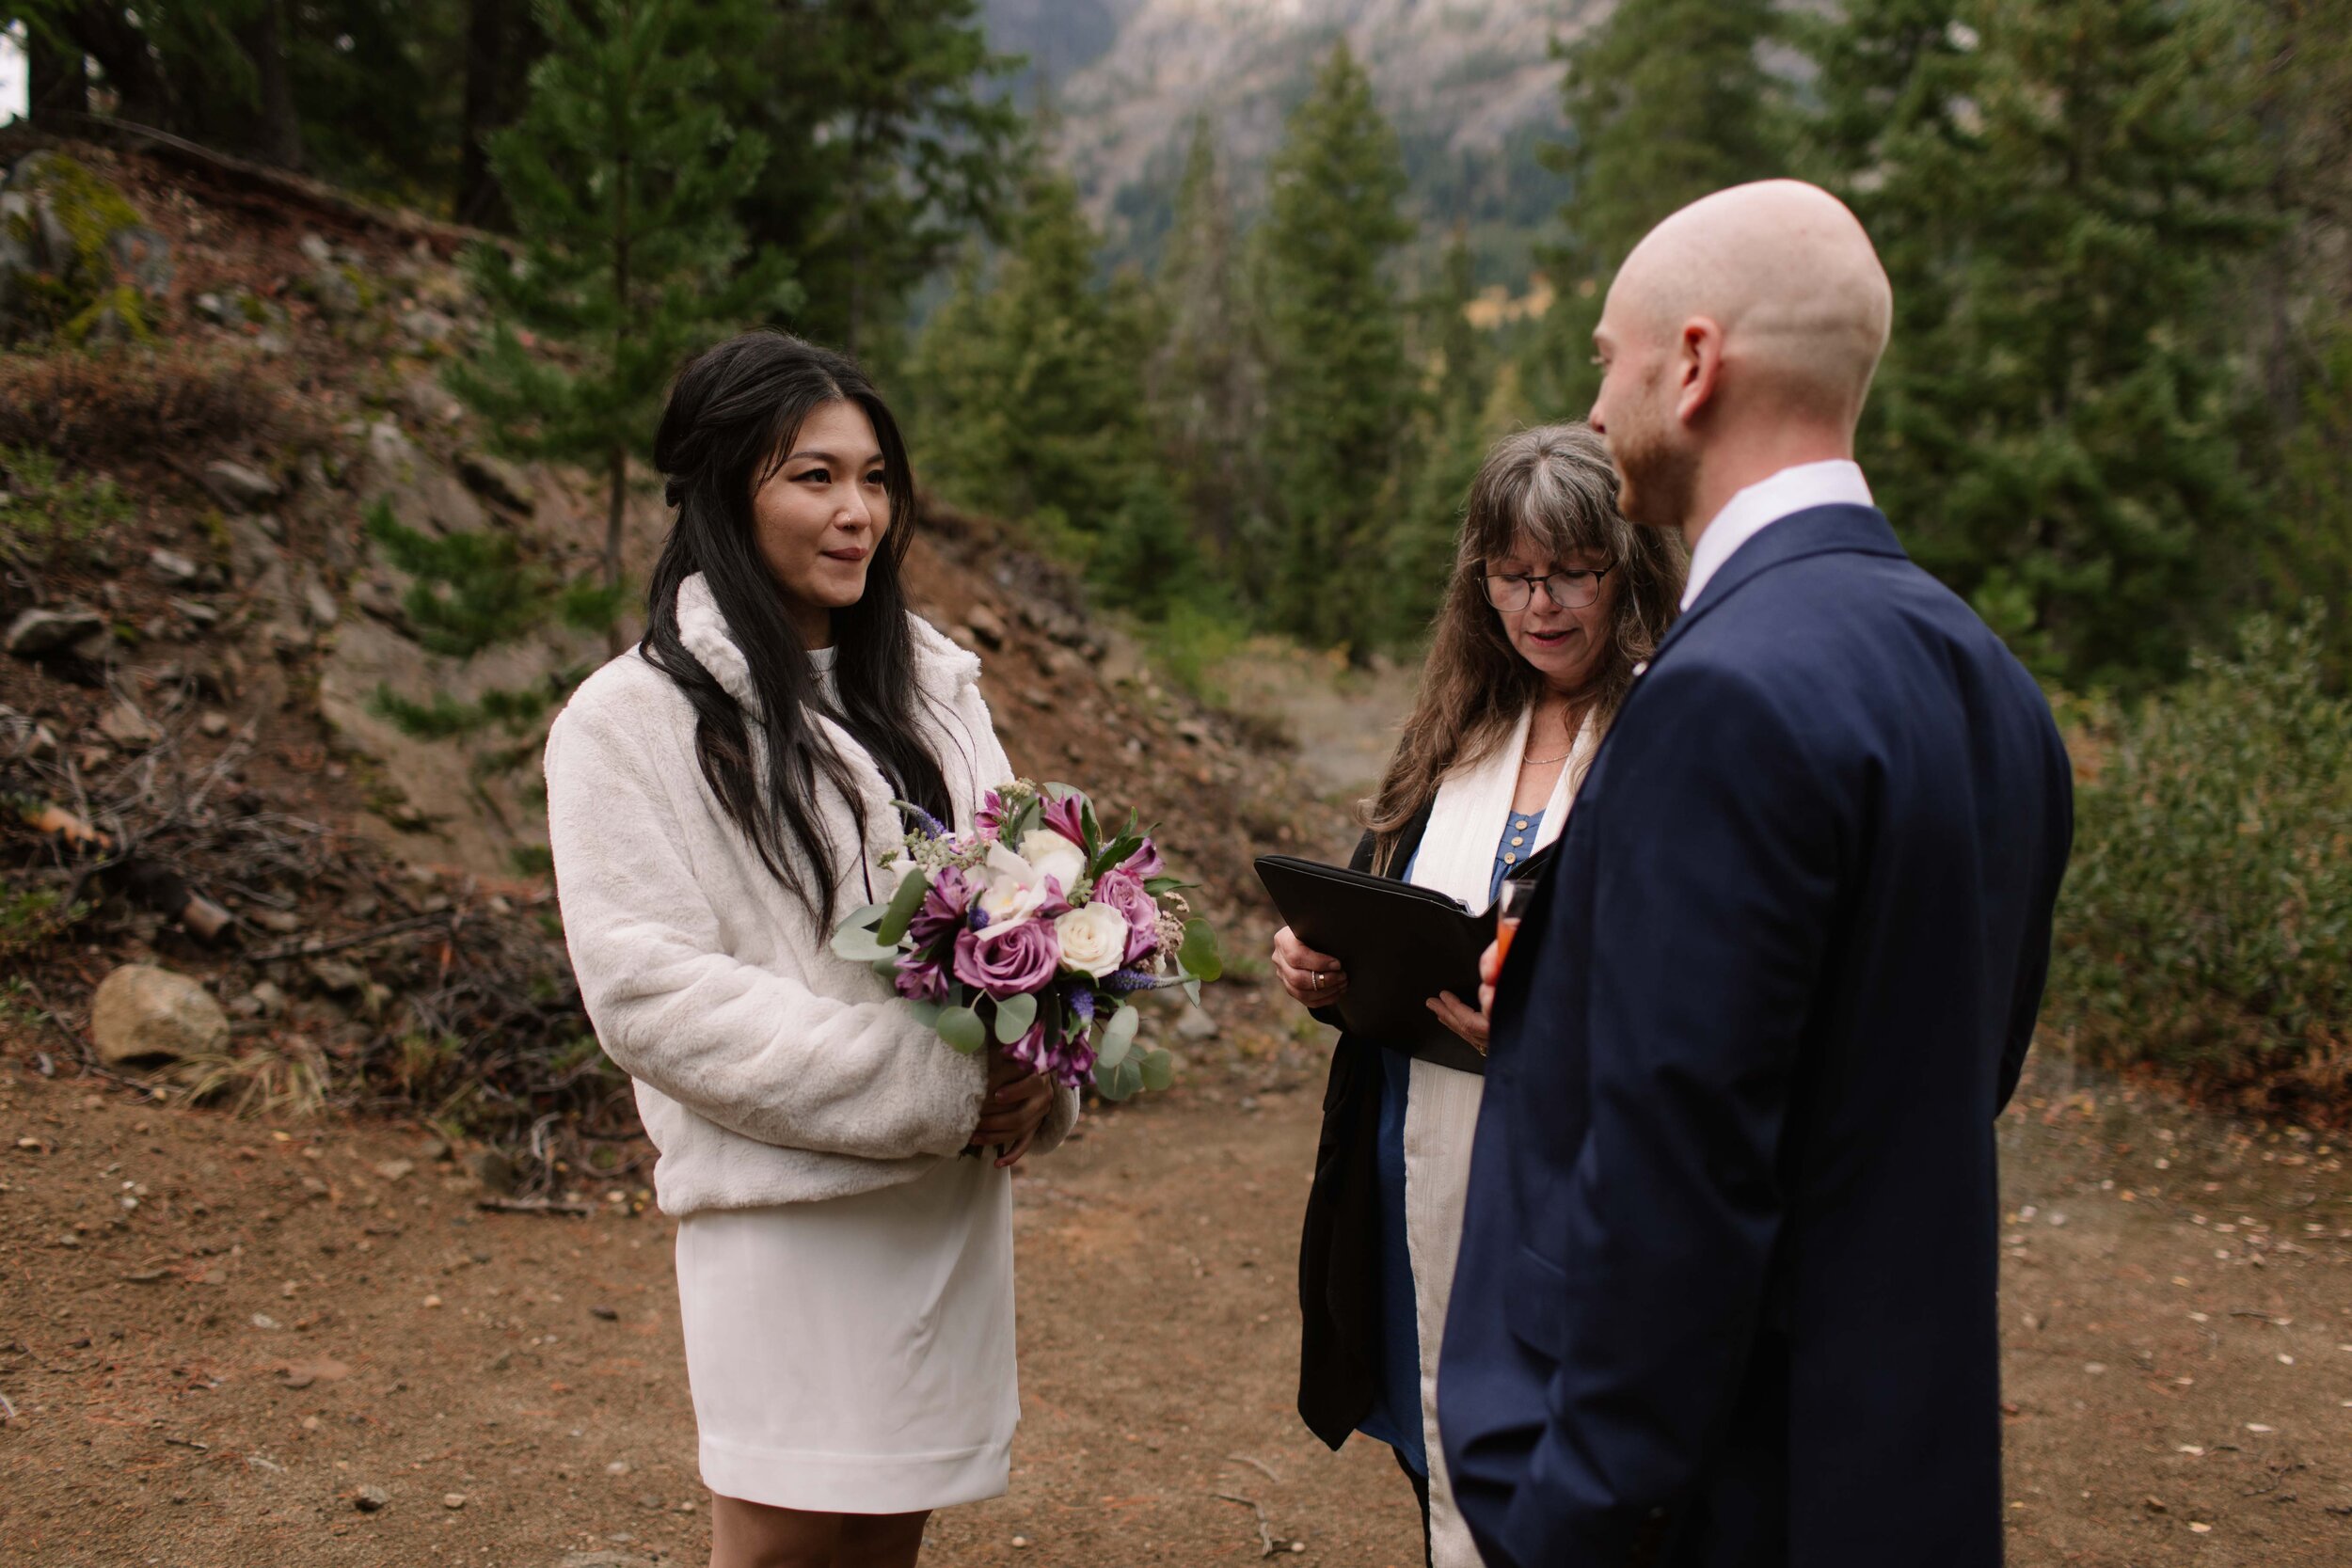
(1575, 590)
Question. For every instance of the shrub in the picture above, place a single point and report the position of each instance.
(2206, 925)
(67, 218)
(128, 404)
(51, 515)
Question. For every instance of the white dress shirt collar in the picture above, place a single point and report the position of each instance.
(1837, 482)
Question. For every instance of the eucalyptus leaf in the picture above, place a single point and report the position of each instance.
(1107, 1083)
(1158, 1069)
(926, 1013)
(887, 967)
(1015, 1015)
(1192, 991)
(1130, 1079)
(1118, 1034)
(900, 911)
(857, 945)
(1200, 955)
(962, 1028)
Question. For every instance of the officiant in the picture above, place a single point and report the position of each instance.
(1554, 602)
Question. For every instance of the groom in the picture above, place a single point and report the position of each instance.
(1725, 1290)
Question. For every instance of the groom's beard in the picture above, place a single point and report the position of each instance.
(1658, 483)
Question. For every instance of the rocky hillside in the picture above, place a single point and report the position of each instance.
(318, 908)
(1471, 85)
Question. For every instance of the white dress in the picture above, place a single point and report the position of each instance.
(855, 1355)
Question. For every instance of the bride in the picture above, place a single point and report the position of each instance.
(716, 797)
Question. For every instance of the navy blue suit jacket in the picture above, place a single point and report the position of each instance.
(1725, 1290)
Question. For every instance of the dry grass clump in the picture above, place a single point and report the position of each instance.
(129, 403)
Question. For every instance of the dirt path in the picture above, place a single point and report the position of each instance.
(210, 1379)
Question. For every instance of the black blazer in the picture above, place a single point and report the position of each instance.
(1725, 1294)
(1339, 1254)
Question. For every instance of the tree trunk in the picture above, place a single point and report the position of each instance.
(278, 127)
(616, 503)
(489, 106)
(105, 35)
(60, 81)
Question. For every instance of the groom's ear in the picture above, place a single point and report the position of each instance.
(1699, 367)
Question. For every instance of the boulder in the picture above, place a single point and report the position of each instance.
(497, 481)
(172, 567)
(245, 489)
(141, 1012)
(39, 632)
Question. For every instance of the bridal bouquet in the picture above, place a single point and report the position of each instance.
(1036, 929)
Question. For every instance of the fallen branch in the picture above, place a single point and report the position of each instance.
(535, 1206)
(310, 947)
(1265, 1530)
(1258, 1464)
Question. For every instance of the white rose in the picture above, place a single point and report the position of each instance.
(1053, 856)
(1015, 887)
(1093, 939)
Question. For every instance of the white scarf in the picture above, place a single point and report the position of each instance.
(1457, 858)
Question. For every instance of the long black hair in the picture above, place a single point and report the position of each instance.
(732, 418)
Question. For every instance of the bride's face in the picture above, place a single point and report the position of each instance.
(821, 515)
(1569, 647)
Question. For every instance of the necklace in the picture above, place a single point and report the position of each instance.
(1567, 711)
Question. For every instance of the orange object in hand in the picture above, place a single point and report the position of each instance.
(1505, 931)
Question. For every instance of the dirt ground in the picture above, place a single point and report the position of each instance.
(217, 1335)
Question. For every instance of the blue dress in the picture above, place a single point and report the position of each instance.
(1395, 1417)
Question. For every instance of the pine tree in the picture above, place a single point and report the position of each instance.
(1339, 388)
(623, 178)
(1454, 433)
(1029, 391)
(2059, 188)
(1207, 381)
(902, 146)
(1666, 101)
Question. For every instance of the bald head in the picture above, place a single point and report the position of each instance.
(1788, 275)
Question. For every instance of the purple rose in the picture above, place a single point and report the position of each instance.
(1066, 817)
(1030, 1050)
(943, 908)
(1124, 892)
(1144, 863)
(1005, 961)
(919, 980)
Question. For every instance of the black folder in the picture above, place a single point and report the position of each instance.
(1400, 945)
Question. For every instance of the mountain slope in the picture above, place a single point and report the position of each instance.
(1471, 85)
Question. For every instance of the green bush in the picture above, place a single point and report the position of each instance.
(2206, 925)
(53, 515)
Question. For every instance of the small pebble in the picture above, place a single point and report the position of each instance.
(433, 1301)
(370, 1499)
(452, 1499)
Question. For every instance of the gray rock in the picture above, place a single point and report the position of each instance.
(338, 977)
(317, 603)
(37, 632)
(1196, 1024)
(315, 250)
(218, 310)
(497, 481)
(143, 257)
(197, 611)
(172, 567)
(368, 1500)
(127, 727)
(141, 1012)
(247, 489)
(427, 328)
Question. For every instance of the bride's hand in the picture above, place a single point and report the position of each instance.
(1018, 1101)
(1313, 980)
(1460, 1017)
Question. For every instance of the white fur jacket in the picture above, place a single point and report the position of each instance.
(768, 1070)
